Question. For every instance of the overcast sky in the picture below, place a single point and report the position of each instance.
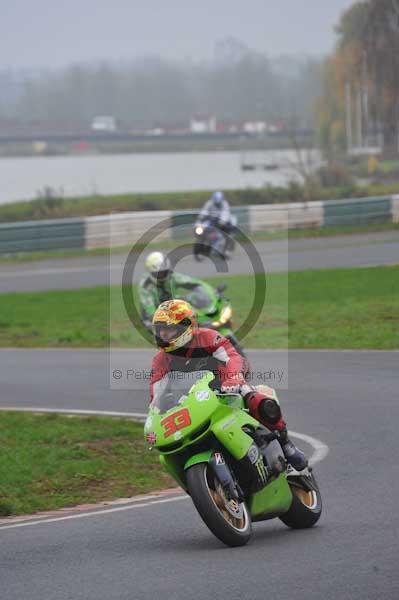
(50, 33)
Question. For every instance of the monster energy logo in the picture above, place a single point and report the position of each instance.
(262, 471)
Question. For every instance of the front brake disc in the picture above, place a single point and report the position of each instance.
(233, 506)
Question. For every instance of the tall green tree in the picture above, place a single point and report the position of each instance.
(367, 58)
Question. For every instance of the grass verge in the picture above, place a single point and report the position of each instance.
(51, 461)
(49, 206)
(334, 308)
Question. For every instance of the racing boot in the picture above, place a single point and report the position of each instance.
(295, 457)
(267, 410)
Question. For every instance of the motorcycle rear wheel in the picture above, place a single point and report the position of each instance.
(306, 506)
(229, 521)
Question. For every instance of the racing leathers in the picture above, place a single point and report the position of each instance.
(208, 350)
(152, 292)
(220, 215)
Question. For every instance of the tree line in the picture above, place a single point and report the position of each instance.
(238, 84)
(360, 102)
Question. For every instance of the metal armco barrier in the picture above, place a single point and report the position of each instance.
(33, 236)
(121, 229)
(356, 212)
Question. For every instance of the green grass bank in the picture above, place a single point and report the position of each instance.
(49, 206)
(51, 461)
(334, 308)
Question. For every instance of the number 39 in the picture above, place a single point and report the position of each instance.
(176, 421)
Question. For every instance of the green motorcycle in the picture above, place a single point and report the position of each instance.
(232, 467)
(213, 310)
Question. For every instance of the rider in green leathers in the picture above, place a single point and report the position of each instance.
(160, 284)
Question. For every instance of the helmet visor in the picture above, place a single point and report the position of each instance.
(166, 334)
(162, 275)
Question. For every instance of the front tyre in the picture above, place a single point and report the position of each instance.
(197, 252)
(228, 520)
(306, 506)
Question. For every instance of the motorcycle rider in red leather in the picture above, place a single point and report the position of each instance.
(186, 347)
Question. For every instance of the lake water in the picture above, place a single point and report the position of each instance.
(22, 178)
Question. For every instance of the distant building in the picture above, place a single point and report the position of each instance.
(272, 128)
(104, 123)
(254, 127)
(203, 124)
(155, 131)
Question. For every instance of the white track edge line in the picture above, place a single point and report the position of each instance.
(93, 513)
(77, 411)
(321, 451)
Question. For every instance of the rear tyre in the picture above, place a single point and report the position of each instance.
(229, 521)
(306, 506)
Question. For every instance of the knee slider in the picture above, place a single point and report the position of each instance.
(269, 410)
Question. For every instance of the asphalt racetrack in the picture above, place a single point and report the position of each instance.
(160, 548)
(279, 255)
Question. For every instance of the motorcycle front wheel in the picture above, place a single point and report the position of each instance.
(228, 519)
(306, 506)
(198, 251)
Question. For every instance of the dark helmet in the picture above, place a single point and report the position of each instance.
(217, 199)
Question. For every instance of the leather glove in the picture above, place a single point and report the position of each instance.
(232, 384)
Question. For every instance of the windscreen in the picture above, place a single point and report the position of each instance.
(173, 388)
(199, 297)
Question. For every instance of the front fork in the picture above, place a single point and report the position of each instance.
(225, 477)
(252, 462)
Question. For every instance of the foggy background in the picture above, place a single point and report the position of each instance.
(157, 64)
(50, 33)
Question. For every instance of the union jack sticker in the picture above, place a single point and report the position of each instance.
(151, 437)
